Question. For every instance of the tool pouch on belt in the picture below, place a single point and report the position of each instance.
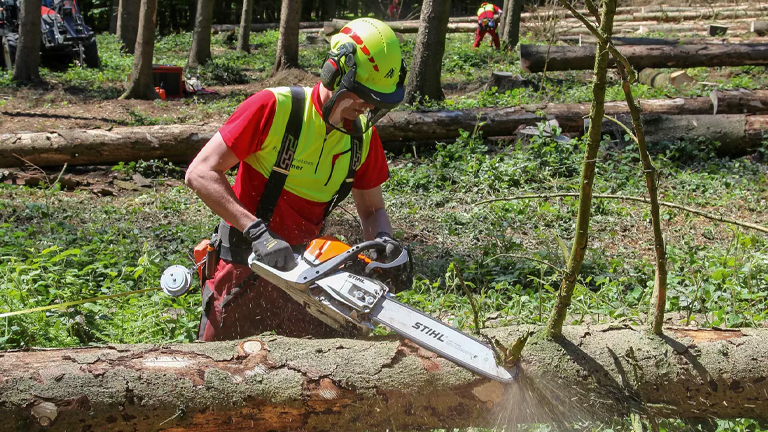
(234, 246)
(206, 256)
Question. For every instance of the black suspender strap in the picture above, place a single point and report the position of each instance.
(279, 174)
(355, 156)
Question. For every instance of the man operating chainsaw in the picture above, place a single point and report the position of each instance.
(301, 152)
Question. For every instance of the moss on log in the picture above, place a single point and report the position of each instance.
(275, 383)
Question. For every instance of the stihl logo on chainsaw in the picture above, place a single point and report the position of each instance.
(428, 331)
(355, 278)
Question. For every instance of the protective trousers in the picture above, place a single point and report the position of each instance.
(480, 34)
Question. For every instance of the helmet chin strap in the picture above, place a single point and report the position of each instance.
(372, 116)
(346, 85)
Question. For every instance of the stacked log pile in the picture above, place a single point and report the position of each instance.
(740, 131)
(534, 58)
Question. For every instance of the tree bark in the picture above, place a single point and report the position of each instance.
(141, 85)
(581, 231)
(510, 33)
(288, 43)
(534, 57)
(26, 67)
(243, 42)
(114, 12)
(666, 119)
(128, 23)
(200, 52)
(274, 383)
(426, 67)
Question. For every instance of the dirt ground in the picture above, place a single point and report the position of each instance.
(52, 106)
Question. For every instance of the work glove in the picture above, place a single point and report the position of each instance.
(393, 247)
(268, 248)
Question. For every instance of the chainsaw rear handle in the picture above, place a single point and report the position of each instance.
(305, 274)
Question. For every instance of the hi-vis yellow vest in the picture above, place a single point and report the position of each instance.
(321, 161)
(481, 12)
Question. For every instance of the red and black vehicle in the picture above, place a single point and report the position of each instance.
(65, 36)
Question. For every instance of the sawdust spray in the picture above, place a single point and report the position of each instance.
(539, 404)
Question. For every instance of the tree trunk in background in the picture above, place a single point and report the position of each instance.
(288, 42)
(192, 15)
(329, 9)
(141, 85)
(128, 23)
(510, 33)
(307, 7)
(27, 65)
(505, 11)
(272, 383)
(114, 12)
(201, 40)
(226, 13)
(424, 76)
(354, 7)
(243, 42)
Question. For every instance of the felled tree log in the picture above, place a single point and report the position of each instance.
(688, 29)
(405, 26)
(656, 78)
(271, 383)
(97, 146)
(260, 27)
(180, 143)
(619, 40)
(534, 57)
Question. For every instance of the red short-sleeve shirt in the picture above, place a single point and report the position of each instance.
(296, 219)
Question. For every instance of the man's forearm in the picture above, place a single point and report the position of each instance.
(377, 222)
(215, 191)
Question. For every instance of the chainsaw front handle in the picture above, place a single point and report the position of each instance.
(304, 274)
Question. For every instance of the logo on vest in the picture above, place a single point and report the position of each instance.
(290, 144)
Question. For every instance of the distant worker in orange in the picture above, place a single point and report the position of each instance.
(394, 10)
(487, 19)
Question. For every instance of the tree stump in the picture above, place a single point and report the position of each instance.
(717, 30)
(504, 81)
(657, 79)
(760, 28)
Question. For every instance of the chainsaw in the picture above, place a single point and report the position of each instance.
(344, 288)
(340, 286)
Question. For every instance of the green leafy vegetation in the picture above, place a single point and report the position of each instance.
(66, 246)
(61, 245)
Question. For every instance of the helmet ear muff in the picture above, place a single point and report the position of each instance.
(336, 65)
